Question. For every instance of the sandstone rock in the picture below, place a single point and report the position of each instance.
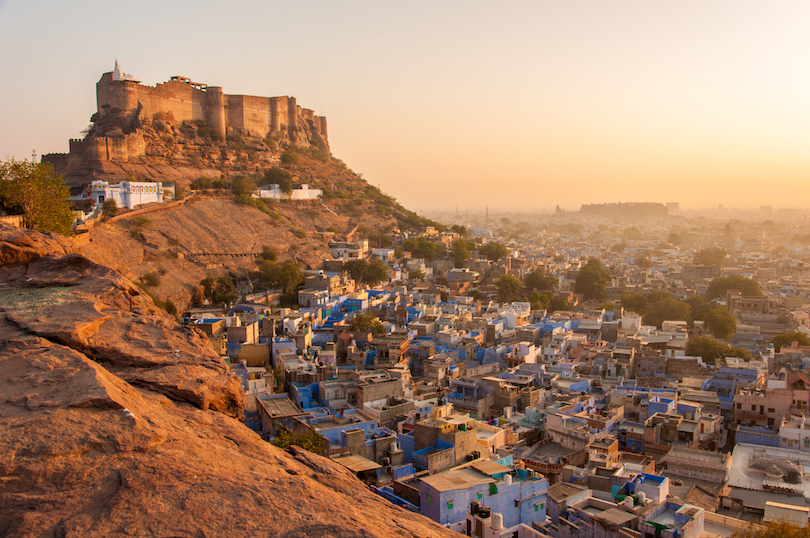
(106, 431)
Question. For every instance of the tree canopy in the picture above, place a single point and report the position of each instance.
(285, 275)
(508, 287)
(786, 338)
(719, 286)
(546, 301)
(243, 185)
(38, 193)
(710, 349)
(667, 308)
(711, 256)
(421, 248)
(219, 291)
(592, 280)
(308, 440)
(774, 529)
(367, 272)
(493, 251)
(540, 280)
(461, 253)
(280, 177)
(366, 322)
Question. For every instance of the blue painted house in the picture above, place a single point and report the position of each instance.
(518, 494)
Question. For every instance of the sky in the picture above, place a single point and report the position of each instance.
(510, 105)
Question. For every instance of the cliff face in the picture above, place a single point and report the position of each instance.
(118, 422)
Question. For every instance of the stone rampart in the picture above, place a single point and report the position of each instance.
(187, 101)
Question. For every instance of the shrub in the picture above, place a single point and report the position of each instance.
(280, 177)
(235, 142)
(109, 209)
(243, 185)
(170, 307)
(289, 158)
(298, 232)
(151, 279)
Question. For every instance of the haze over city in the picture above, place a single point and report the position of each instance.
(525, 105)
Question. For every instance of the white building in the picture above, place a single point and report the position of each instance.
(127, 193)
(273, 192)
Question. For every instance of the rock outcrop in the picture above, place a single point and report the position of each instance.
(115, 421)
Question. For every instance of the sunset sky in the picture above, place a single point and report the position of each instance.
(521, 105)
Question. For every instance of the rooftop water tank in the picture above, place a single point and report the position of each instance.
(497, 521)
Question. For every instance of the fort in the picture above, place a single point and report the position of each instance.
(125, 106)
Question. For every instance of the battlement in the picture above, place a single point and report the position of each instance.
(124, 106)
(186, 100)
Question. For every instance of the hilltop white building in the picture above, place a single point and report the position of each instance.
(273, 192)
(127, 193)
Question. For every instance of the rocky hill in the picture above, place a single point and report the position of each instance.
(214, 234)
(195, 137)
(118, 422)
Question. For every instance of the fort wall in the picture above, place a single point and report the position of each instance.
(184, 100)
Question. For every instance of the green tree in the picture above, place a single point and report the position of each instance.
(367, 272)
(308, 440)
(592, 280)
(38, 193)
(208, 284)
(108, 209)
(786, 338)
(634, 302)
(224, 292)
(493, 251)
(459, 229)
(268, 254)
(719, 286)
(710, 349)
(243, 185)
(721, 323)
(774, 529)
(280, 177)
(508, 287)
(700, 307)
(643, 262)
(666, 309)
(285, 275)
(289, 158)
(546, 301)
(461, 253)
(421, 248)
(706, 347)
(711, 256)
(540, 280)
(366, 322)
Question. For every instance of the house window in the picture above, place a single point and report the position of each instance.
(449, 505)
(430, 499)
(493, 489)
(770, 422)
(771, 410)
(753, 407)
(480, 495)
(739, 406)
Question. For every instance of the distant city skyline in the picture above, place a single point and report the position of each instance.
(520, 105)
